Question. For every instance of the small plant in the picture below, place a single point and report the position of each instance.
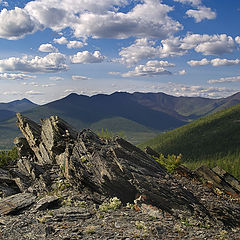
(171, 162)
(90, 229)
(140, 225)
(222, 234)
(130, 206)
(113, 204)
(105, 134)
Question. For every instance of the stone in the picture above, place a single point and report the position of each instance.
(215, 180)
(15, 203)
(232, 181)
(47, 202)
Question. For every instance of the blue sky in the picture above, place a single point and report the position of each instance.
(50, 48)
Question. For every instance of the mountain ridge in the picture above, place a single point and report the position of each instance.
(139, 115)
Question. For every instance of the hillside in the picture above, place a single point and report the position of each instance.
(18, 105)
(212, 140)
(138, 116)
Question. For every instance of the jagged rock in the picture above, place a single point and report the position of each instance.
(232, 181)
(16, 203)
(108, 168)
(215, 180)
(47, 202)
(117, 168)
(46, 141)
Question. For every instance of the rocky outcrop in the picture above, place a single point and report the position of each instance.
(66, 176)
(112, 167)
(220, 179)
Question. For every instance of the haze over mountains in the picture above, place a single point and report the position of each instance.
(138, 115)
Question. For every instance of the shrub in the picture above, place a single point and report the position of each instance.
(8, 156)
(171, 162)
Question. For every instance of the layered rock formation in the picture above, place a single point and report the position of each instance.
(53, 157)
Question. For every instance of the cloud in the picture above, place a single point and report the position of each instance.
(87, 57)
(97, 19)
(214, 62)
(147, 19)
(216, 45)
(16, 76)
(192, 2)
(16, 23)
(141, 49)
(61, 40)
(176, 46)
(200, 91)
(150, 69)
(12, 93)
(4, 3)
(224, 62)
(237, 40)
(53, 62)
(78, 77)
(32, 92)
(75, 44)
(56, 78)
(201, 13)
(69, 90)
(194, 63)
(225, 80)
(182, 72)
(48, 85)
(47, 48)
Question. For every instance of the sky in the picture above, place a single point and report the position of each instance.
(51, 48)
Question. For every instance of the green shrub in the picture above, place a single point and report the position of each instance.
(8, 156)
(171, 162)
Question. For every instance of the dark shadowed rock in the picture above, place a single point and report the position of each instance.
(8, 186)
(47, 202)
(117, 168)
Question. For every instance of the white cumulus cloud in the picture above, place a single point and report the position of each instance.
(201, 13)
(47, 48)
(16, 23)
(97, 19)
(225, 80)
(214, 62)
(194, 63)
(16, 76)
(75, 44)
(193, 2)
(150, 69)
(87, 57)
(176, 46)
(61, 40)
(53, 62)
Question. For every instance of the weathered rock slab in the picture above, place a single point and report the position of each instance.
(16, 203)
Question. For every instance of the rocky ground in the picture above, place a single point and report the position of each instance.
(67, 185)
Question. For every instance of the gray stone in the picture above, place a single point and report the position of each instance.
(15, 203)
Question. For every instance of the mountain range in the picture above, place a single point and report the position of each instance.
(139, 116)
